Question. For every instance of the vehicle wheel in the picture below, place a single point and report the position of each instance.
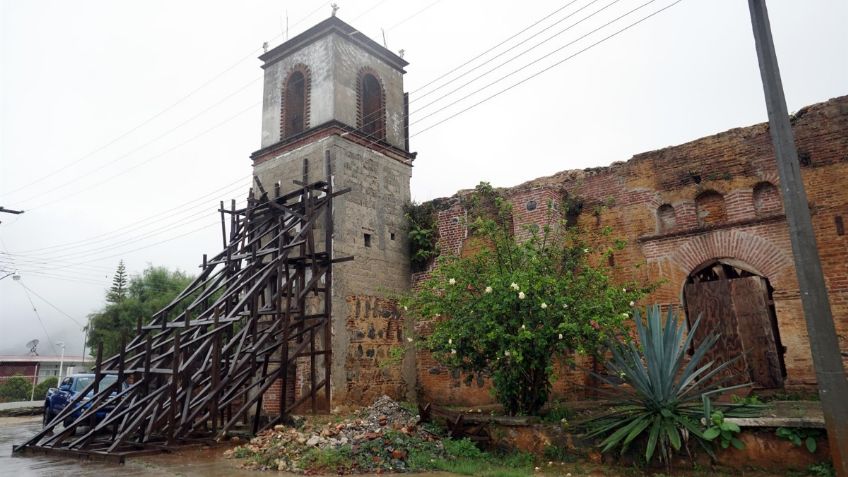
(48, 416)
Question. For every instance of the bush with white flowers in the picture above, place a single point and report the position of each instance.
(511, 308)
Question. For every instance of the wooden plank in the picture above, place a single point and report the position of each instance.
(711, 301)
(750, 306)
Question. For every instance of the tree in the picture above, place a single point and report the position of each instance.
(512, 307)
(118, 292)
(146, 294)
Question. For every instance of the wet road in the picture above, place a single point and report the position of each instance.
(15, 430)
(191, 463)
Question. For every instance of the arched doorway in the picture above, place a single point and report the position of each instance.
(735, 302)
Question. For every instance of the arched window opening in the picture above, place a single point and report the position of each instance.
(294, 105)
(710, 206)
(666, 218)
(766, 199)
(372, 110)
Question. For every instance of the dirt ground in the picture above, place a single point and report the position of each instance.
(209, 462)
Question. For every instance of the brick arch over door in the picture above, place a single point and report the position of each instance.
(766, 259)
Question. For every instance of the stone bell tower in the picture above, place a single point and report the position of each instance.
(333, 89)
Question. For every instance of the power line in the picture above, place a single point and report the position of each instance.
(518, 70)
(157, 216)
(149, 159)
(175, 220)
(492, 48)
(547, 68)
(44, 328)
(374, 138)
(51, 304)
(168, 132)
(519, 55)
(150, 119)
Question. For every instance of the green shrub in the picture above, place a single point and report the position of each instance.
(15, 388)
(462, 449)
(513, 306)
(42, 387)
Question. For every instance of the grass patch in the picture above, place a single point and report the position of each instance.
(332, 460)
(464, 458)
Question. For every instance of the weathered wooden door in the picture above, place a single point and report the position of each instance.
(738, 310)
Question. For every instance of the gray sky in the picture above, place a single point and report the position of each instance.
(126, 122)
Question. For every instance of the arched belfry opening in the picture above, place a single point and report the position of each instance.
(372, 109)
(295, 103)
(735, 301)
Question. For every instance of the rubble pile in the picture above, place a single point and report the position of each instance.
(378, 438)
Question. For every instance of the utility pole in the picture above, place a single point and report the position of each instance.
(827, 360)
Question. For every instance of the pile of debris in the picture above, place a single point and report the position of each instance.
(378, 438)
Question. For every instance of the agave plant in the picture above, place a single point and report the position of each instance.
(658, 393)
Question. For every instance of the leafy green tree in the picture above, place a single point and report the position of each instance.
(146, 294)
(118, 292)
(515, 306)
(15, 388)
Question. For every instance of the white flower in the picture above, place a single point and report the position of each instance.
(521, 295)
(450, 341)
(585, 250)
(624, 290)
(625, 315)
(453, 351)
(544, 305)
(438, 315)
(506, 353)
(405, 308)
(409, 339)
(560, 336)
(488, 289)
(565, 306)
(452, 281)
(523, 327)
(632, 304)
(514, 286)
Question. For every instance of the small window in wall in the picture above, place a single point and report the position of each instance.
(367, 240)
(371, 106)
(710, 207)
(531, 205)
(392, 236)
(666, 218)
(766, 199)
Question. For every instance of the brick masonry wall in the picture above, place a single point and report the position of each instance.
(679, 207)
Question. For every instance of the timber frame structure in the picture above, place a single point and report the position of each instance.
(199, 367)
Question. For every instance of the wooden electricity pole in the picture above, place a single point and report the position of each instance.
(830, 373)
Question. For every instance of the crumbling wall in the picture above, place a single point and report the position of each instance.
(682, 206)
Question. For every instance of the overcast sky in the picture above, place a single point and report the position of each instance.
(122, 124)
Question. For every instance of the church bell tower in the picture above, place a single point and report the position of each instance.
(333, 92)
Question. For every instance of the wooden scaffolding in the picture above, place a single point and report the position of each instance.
(201, 366)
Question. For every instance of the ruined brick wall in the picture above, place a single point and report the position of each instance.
(683, 206)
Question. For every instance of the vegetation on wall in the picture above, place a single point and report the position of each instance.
(423, 236)
(514, 307)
